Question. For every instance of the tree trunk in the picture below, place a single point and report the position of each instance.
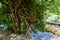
(16, 23)
(16, 18)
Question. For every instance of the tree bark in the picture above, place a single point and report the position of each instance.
(16, 23)
(16, 18)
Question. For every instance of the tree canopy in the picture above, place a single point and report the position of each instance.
(25, 14)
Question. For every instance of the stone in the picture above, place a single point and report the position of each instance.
(20, 37)
(57, 32)
(53, 29)
(49, 29)
(1, 37)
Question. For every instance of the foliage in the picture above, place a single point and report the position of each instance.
(53, 19)
(36, 11)
(54, 7)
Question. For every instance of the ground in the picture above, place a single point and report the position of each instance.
(8, 35)
(52, 33)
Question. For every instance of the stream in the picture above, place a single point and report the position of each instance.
(43, 36)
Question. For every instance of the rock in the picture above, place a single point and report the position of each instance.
(20, 37)
(2, 37)
(54, 29)
(13, 35)
(49, 29)
(57, 32)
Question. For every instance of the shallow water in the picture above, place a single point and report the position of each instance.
(43, 36)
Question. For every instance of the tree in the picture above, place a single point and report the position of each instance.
(31, 12)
